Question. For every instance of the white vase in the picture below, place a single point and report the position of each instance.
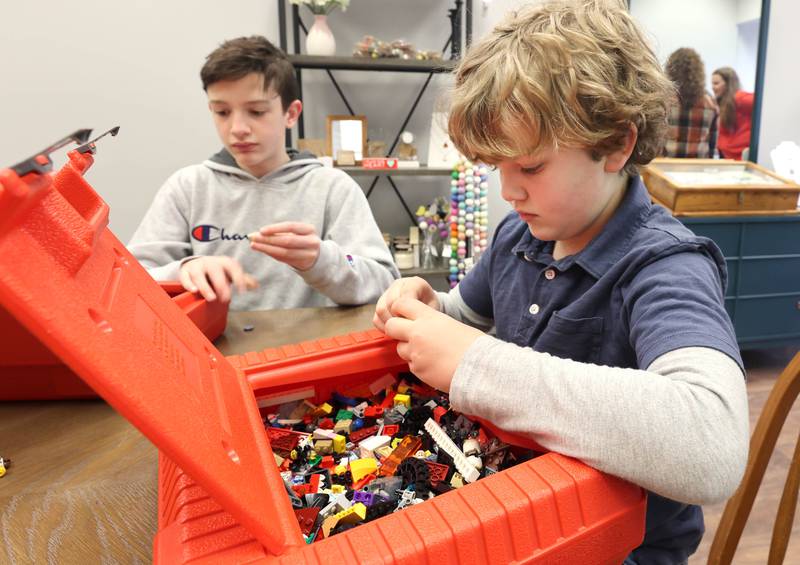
(320, 40)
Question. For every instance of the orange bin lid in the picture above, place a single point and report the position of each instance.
(72, 284)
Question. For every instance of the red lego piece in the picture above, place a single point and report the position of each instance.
(302, 490)
(483, 439)
(388, 402)
(373, 412)
(438, 472)
(306, 517)
(316, 478)
(363, 433)
(327, 462)
(325, 424)
(391, 429)
(282, 441)
(363, 482)
(438, 412)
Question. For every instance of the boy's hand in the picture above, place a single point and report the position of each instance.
(433, 343)
(212, 277)
(294, 243)
(413, 287)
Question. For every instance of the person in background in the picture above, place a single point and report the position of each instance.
(735, 112)
(257, 212)
(693, 118)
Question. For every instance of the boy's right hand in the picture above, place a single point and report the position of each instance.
(213, 276)
(414, 287)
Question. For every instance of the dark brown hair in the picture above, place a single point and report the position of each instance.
(239, 57)
(685, 68)
(727, 105)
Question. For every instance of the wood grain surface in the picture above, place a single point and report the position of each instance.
(82, 487)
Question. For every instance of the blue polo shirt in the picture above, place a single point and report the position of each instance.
(644, 286)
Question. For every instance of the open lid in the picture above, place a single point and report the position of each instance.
(73, 285)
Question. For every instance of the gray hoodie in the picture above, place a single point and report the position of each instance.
(209, 209)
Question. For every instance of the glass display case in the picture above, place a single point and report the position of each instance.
(702, 187)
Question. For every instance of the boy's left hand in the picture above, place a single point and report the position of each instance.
(433, 343)
(294, 243)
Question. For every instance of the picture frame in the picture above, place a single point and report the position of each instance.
(346, 133)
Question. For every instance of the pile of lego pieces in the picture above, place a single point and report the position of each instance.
(351, 459)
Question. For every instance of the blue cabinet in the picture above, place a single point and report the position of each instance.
(763, 257)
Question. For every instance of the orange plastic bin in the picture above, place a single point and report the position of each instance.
(73, 285)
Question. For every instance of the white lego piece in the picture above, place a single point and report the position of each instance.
(370, 444)
(358, 411)
(444, 442)
(471, 447)
(337, 501)
(320, 433)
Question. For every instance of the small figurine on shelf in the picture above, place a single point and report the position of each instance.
(405, 150)
(469, 217)
(374, 48)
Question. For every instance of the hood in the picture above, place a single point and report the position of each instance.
(300, 162)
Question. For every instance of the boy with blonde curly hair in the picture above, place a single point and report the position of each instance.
(611, 344)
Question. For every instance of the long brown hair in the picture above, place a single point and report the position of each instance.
(685, 68)
(727, 106)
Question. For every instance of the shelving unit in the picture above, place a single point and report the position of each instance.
(367, 64)
(422, 171)
(431, 67)
(461, 22)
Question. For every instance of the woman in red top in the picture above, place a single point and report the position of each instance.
(736, 112)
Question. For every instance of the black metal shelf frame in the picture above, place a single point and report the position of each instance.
(391, 65)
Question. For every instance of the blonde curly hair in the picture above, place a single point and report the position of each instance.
(575, 73)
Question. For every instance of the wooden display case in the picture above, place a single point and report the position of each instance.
(704, 187)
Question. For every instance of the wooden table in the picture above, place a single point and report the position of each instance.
(82, 485)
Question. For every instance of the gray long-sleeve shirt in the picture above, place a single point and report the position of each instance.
(631, 423)
(209, 209)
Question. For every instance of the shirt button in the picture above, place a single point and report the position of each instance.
(528, 259)
(550, 274)
(534, 309)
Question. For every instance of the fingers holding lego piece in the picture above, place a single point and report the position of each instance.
(294, 243)
(415, 287)
(431, 342)
(213, 277)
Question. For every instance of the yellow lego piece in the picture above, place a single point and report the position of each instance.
(339, 444)
(339, 470)
(356, 513)
(337, 489)
(323, 410)
(403, 399)
(360, 468)
(2, 470)
(396, 441)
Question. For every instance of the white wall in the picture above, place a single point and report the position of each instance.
(136, 64)
(101, 63)
(747, 10)
(708, 26)
(780, 114)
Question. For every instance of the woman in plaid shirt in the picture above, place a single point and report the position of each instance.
(693, 119)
